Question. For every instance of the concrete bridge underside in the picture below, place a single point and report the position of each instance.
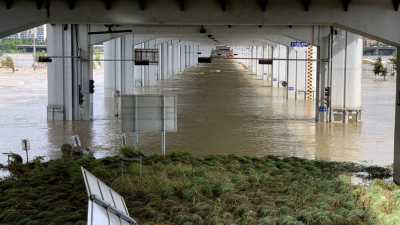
(178, 28)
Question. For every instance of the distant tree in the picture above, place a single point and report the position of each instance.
(40, 54)
(379, 69)
(394, 61)
(96, 58)
(7, 45)
(8, 63)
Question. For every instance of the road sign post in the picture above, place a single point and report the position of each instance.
(26, 145)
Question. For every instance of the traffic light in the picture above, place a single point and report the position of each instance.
(327, 95)
(45, 59)
(91, 86)
(80, 95)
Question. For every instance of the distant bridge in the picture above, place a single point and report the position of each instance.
(29, 48)
(379, 50)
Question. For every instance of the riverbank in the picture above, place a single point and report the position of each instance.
(215, 189)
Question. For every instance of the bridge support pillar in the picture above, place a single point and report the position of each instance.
(127, 67)
(138, 71)
(279, 66)
(292, 75)
(346, 77)
(151, 69)
(110, 69)
(175, 59)
(164, 61)
(182, 57)
(69, 73)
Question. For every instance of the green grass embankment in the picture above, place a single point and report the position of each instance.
(217, 189)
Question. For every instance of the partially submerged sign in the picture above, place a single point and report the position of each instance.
(25, 144)
(150, 112)
(75, 141)
(106, 207)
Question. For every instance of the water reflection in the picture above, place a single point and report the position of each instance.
(221, 109)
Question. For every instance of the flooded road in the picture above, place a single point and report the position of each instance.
(221, 109)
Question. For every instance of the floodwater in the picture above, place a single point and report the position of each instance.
(222, 108)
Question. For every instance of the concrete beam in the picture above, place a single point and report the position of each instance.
(375, 19)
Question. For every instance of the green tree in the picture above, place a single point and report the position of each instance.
(96, 58)
(8, 63)
(39, 54)
(379, 68)
(7, 45)
(394, 61)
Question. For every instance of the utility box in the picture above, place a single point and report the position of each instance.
(346, 115)
(337, 116)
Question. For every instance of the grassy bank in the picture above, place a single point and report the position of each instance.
(217, 189)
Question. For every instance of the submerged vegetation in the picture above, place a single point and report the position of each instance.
(216, 189)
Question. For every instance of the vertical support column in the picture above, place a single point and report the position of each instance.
(169, 60)
(118, 69)
(183, 57)
(163, 61)
(109, 69)
(152, 76)
(145, 69)
(253, 60)
(301, 75)
(137, 74)
(396, 163)
(59, 78)
(127, 67)
(346, 77)
(322, 74)
(275, 65)
(175, 57)
(292, 75)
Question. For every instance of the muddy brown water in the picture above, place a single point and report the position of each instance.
(221, 109)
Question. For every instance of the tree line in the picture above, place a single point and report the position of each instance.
(11, 45)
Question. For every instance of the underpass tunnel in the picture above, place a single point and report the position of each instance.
(290, 68)
(331, 60)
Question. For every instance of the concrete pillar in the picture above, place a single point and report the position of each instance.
(396, 164)
(138, 76)
(152, 76)
(253, 61)
(127, 67)
(69, 76)
(59, 76)
(109, 68)
(164, 61)
(188, 58)
(322, 73)
(292, 73)
(301, 75)
(346, 77)
(259, 71)
(118, 69)
(175, 59)
(183, 57)
(279, 66)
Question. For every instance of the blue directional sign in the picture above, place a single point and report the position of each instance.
(298, 44)
(291, 88)
(322, 108)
